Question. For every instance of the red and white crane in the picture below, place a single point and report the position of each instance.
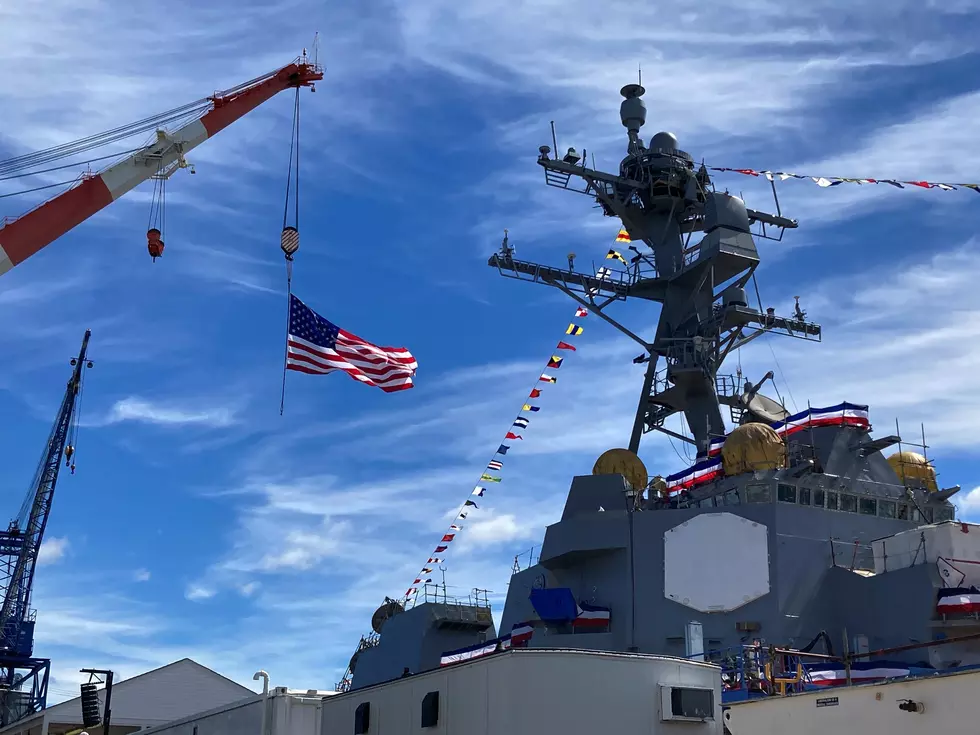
(22, 237)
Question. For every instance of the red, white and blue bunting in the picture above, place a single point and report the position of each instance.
(709, 467)
(860, 672)
(518, 637)
(958, 601)
(828, 181)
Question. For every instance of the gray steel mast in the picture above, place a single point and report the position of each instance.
(662, 199)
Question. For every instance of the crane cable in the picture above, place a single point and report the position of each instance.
(72, 438)
(28, 160)
(289, 241)
(158, 202)
(291, 245)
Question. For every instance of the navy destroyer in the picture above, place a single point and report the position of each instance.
(797, 553)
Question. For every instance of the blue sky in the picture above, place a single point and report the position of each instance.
(201, 523)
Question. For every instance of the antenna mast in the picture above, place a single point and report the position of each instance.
(661, 198)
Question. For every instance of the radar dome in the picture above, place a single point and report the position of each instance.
(752, 447)
(622, 462)
(389, 609)
(664, 141)
(914, 470)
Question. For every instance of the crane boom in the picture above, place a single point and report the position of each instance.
(24, 543)
(23, 237)
(24, 679)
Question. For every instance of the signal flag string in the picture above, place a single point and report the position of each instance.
(495, 465)
(828, 181)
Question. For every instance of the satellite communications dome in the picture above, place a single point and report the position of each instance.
(914, 470)
(752, 447)
(622, 462)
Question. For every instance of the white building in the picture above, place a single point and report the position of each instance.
(154, 698)
(284, 712)
(536, 691)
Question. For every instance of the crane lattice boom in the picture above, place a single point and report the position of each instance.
(19, 547)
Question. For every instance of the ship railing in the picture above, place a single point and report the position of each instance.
(474, 607)
(526, 559)
(852, 555)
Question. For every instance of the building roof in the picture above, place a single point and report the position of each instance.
(157, 696)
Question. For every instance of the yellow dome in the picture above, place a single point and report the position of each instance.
(913, 470)
(753, 447)
(622, 462)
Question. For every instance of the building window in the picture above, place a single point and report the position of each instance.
(819, 498)
(693, 703)
(786, 493)
(362, 718)
(903, 512)
(757, 494)
(869, 506)
(886, 508)
(831, 500)
(804, 496)
(430, 709)
(848, 503)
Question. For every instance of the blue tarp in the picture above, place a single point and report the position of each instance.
(555, 605)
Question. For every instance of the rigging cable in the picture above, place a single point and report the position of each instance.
(779, 367)
(68, 165)
(289, 241)
(28, 160)
(72, 437)
(41, 188)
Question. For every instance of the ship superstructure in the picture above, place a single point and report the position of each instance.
(793, 529)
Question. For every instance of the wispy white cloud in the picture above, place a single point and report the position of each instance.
(140, 410)
(141, 575)
(52, 550)
(197, 593)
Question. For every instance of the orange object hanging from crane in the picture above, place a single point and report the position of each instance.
(22, 237)
(153, 243)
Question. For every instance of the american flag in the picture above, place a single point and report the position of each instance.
(316, 346)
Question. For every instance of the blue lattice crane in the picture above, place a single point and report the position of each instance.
(24, 678)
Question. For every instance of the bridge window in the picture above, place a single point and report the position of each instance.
(848, 503)
(869, 506)
(903, 512)
(886, 508)
(362, 718)
(942, 513)
(786, 493)
(819, 498)
(757, 494)
(430, 709)
(731, 497)
(832, 501)
(804, 496)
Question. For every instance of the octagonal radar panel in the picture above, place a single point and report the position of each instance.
(716, 562)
